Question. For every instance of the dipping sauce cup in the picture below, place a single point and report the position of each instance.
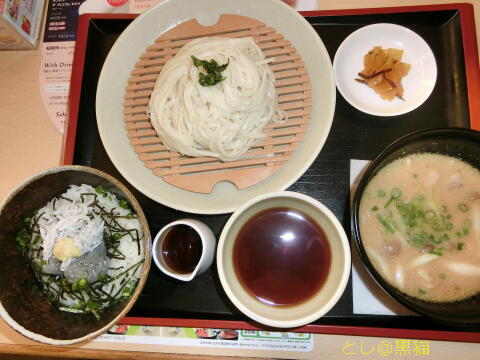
(184, 248)
(283, 259)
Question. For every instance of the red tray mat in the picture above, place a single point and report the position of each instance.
(473, 85)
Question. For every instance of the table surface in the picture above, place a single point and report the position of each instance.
(29, 142)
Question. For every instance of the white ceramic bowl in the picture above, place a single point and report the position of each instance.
(143, 31)
(207, 238)
(314, 307)
(418, 84)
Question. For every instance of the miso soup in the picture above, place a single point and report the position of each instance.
(420, 226)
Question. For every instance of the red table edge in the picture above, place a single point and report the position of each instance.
(472, 70)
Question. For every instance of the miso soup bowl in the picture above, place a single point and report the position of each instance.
(22, 305)
(463, 144)
(323, 299)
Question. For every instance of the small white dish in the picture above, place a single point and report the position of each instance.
(207, 252)
(418, 84)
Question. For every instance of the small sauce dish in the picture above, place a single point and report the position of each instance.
(184, 248)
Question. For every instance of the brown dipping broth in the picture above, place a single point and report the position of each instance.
(182, 248)
(282, 256)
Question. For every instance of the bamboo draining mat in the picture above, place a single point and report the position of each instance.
(200, 174)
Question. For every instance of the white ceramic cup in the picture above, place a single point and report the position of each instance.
(208, 248)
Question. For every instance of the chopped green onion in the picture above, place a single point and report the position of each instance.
(436, 226)
(443, 238)
(79, 306)
(92, 305)
(460, 246)
(37, 240)
(380, 193)
(22, 238)
(442, 276)
(387, 226)
(101, 190)
(124, 204)
(395, 193)
(387, 204)
(463, 207)
(375, 208)
(80, 284)
(438, 252)
(128, 289)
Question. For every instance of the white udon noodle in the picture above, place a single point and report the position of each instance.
(222, 120)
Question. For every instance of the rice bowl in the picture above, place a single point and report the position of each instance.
(103, 235)
(22, 303)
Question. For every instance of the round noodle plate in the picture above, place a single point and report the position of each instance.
(265, 157)
(143, 31)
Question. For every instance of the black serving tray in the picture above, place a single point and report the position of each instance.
(354, 135)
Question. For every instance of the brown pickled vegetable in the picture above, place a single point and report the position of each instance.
(383, 72)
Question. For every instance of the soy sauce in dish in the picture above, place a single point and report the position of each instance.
(182, 248)
(281, 256)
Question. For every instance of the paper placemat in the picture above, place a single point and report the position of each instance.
(207, 337)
